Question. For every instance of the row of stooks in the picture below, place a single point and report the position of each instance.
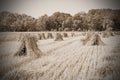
(29, 42)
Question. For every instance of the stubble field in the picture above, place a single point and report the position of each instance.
(61, 60)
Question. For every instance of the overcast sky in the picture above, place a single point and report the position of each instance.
(37, 8)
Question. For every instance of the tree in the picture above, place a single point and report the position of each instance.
(95, 19)
(40, 24)
(55, 21)
(68, 23)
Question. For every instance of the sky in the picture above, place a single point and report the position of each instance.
(37, 8)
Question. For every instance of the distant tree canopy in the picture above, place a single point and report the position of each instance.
(95, 20)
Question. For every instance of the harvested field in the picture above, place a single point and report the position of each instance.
(68, 59)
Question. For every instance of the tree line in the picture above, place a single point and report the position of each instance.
(94, 20)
